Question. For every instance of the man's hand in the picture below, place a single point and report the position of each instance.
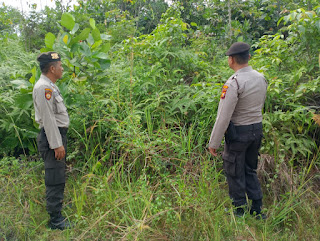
(213, 151)
(59, 153)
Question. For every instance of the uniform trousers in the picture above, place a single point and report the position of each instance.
(240, 160)
(55, 177)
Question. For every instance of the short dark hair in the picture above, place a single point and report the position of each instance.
(241, 58)
(44, 67)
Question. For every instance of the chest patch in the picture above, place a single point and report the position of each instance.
(224, 91)
(48, 93)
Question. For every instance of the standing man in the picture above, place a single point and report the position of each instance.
(52, 116)
(239, 117)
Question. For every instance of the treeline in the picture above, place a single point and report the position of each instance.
(224, 20)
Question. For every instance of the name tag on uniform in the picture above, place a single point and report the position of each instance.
(224, 91)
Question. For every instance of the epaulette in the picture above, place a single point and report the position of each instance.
(235, 78)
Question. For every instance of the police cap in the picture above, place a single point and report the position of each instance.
(48, 57)
(238, 48)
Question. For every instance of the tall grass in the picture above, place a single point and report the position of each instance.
(187, 204)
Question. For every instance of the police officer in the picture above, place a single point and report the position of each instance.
(239, 117)
(52, 116)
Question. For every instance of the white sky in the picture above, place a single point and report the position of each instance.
(25, 5)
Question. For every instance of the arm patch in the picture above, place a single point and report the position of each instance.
(224, 91)
(48, 93)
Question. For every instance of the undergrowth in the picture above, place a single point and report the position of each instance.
(189, 204)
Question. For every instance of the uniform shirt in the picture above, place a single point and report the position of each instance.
(50, 111)
(242, 100)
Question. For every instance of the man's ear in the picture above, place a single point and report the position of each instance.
(52, 68)
(232, 59)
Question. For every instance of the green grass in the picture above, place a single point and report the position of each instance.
(117, 204)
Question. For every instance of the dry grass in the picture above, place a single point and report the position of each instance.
(316, 118)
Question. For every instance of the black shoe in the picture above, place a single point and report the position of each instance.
(261, 216)
(258, 215)
(65, 224)
(238, 212)
(59, 222)
(256, 210)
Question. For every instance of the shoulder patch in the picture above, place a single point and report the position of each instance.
(224, 91)
(48, 93)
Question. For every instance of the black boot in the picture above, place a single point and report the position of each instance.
(57, 221)
(256, 209)
(238, 212)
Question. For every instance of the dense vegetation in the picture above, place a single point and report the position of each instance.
(142, 83)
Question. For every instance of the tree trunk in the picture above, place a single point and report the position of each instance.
(279, 9)
(229, 17)
(309, 5)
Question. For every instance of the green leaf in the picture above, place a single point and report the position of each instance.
(82, 36)
(281, 19)
(193, 24)
(267, 18)
(49, 40)
(42, 50)
(105, 48)
(90, 40)
(24, 101)
(75, 28)
(96, 65)
(96, 34)
(67, 21)
(75, 47)
(286, 19)
(318, 24)
(310, 14)
(92, 23)
(34, 71)
(32, 79)
(85, 50)
(21, 85)
(75, 62)
(81, 79)
(96, 44)
(104, 63)
(100, 55)
(301, 29)
(105, 37)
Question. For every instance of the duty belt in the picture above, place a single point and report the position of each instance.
(63, 130)
(256, 126)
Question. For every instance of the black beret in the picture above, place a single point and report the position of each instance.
(48, 57)
(238, 48)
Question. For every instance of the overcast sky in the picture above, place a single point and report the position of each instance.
(25, 5)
